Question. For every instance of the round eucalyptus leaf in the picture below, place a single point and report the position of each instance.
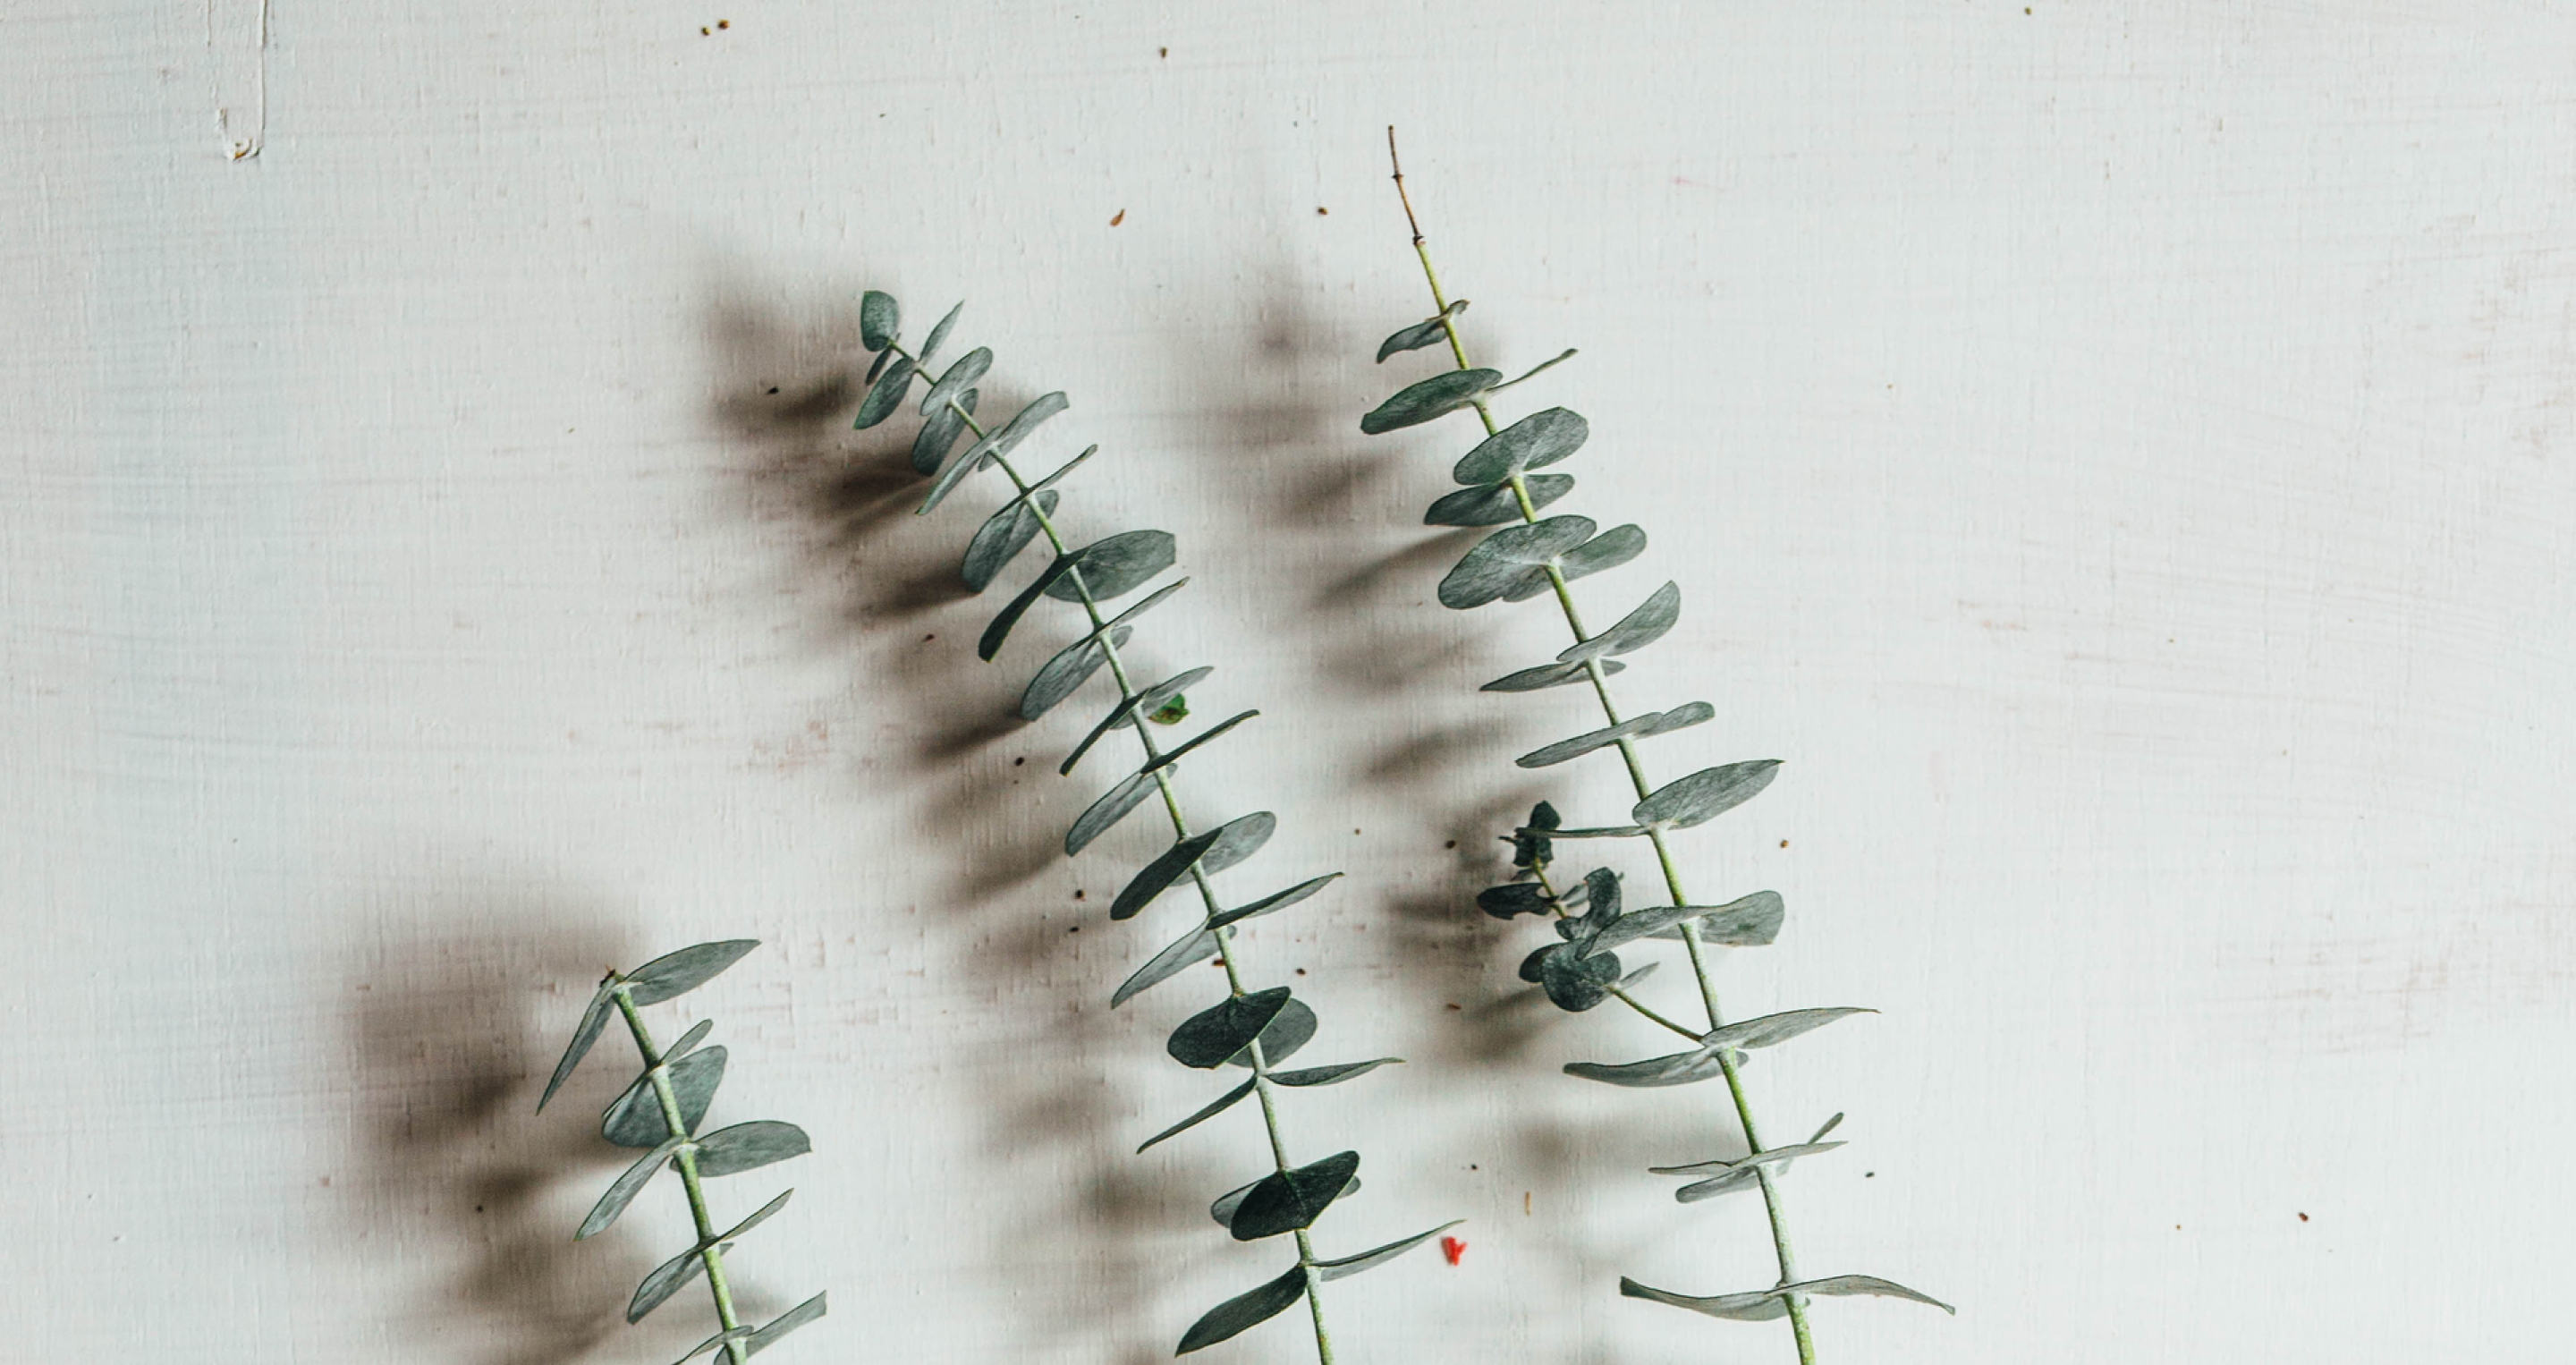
(1437, 396)
(636, 1118)
(1492, 504)
(995, 445)
(886, 394)
(938, 334)
(956, 379)
(1116, 566)
(938, 435)
(1534, 442)
(1574, 982)
(1238, 839)
(879, 320)
(1548, 675)
(1187, 951)
(1071, 667)
(1001, 538)
(1514, 898)
(1009, 616)
(749, 1146)
(1429, 332)
(1157, 877)
(1608, 550)
(1706, 794)
(623, 1191)
(1208, 1038)
(1293, 1028)
(1502, 561)
(679, 973)
(1112, 807)
(1125, 712)
(1245, 1311)
(1290, 1200)
(1634, 631)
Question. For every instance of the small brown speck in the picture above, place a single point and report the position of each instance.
(1784, 843)
(728, 23)
(1119, 217)
(773, 389)
(1162, 52)
(1452, 843)
(1525, 1203)
(1457, 1007)
(1354, 831)
(1302, 971)
(1074, 930)
(2303, 1218)
(703, 30)
(1018, 761)
(479, 1208)
(1077, 895)
(1474, 1167)
(1320, 210)
(926, 639)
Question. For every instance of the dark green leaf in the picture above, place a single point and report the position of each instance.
(1066, 468)
(1746, 923)
(1117, 565)
(1504, 559)
(1278, 900)
(749, 1146)
(1000, 629)
(1636, 630)
(1548, 675)
(1335, 1074)
(930, 349)
(678, 973)
(1514, 898)
(997, 444)
(877, 366)
(1157, 876)
(1535, 370)
(1173, 755)
(668, 1278)
(1530, 846)
(1428, 332)
(783, 1324)
(938, 434)
(1223, 1209)
(1124, 713)
(584, 1034)
(720, 1339)
(955, 380)
(1534, 442)
(1245, 1311)
(1764, 1304)
(627, 1186)
(1071, 667)
(1211, 1036)
(1368, 1260)
(879, 320)
(1286, 1201)
(1238, 839)
(1112, 807)
(1777, 1028)
(1001, 538)
(1492, 504)
(885, 395)
(1292, 1029)
(636, 1119)
(1572, 981)
(1706, 794)
(1220, 1105)
(1680, 1068)
(697, 1034)
(1437, 396)
(1185, 952)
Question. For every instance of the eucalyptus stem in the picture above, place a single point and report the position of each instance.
(687, 1160)
(1598, 676)
(1127, 696)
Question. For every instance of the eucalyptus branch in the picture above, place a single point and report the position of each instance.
(1536, 555)
(1253, 1029)
(661, 1112)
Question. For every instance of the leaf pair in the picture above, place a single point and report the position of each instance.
(662, 978)
(1702, 1062)
(1259, 1305)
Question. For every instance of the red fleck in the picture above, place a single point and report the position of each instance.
(1452, 1248)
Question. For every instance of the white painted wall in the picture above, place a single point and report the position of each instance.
(2122, 460)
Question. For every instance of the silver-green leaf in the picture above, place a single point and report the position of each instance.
(678, 973)
(1220, 1105)
(1173, 755)
(1540, 368)
(938, 434)
(1001, 538)
(1185, 952)
(1245, 1311)
(1745, 1174)
(1749, 922)
(1635, 727)
(1117, 565)
(1761, 1305)
(697, 1034)
(880, 319)
(749, 1146)
(1776, 1028)
(1634, 631)
(1680, 1068)
(1125, 712)
(1370, 1260)
(783, 1324)
(594, 1018)
(1000, 629)
(996, 444)
(1548, 675)
(668, 1278)
(1492, 504)
(1705, 795)
(1112, 807)
(636, 1119)
(1071, 667)
(1437, 396)
(886, 394)
(956, 379)
(1330, 1075)
(623, 1191)
(1428, 332)
(1505, 559)
(1608, 550)
(1534, 442)
(930, 349)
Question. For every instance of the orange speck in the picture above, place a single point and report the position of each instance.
(1452, 1248)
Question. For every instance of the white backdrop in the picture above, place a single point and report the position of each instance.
(2122, 461)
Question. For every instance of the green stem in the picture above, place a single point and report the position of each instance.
(687, 1159)
(1127, 695)
(1599, 678)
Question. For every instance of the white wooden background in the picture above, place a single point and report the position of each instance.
(2120, 456)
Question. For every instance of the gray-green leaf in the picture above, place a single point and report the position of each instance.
(668, 1278)
(1220, 1105)
(1501, 561)
(1635, 727)
(627, 1186)
(1117, 565)
(1206, 1039)
(584, 1034)
(1492, 504)
(1285, 1201)
(1776, 1028)
(1335, 1074)
(1017, 607)
(1764, 1304)
(1112, 807)
(1244, 1311)
(678, 973)
(956, 379)
(1279, 900)
(1213, 850)
(1748, 922)
(1293, 1028)
(1543, 366)
(1548, 675)
(1369, 1260)
(1706, 794)
(636, 1119)
(783, 1324)
(1125, 712)
(1634, 631)
(1071, 667)
(1745, 1174)
(1608, 550)
(749, 1146)
(1680, 1068)
(1001, 538)
(1573, 982)
(1437, 396)
(880, 319)
(1185, 952)
(1173, 755)
(1515, 898)
(1534, 442)
(886, 394)
(938, 434)
(996, 444)
(930, 349)
(1427, 332)
(697, 1034)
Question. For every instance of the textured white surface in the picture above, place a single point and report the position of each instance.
(2122, 462)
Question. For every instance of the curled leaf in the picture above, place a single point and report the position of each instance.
(1366, 1260)
(1515, 898)
(1428, 332)
(1540, 368)
(1437, 396)
(1530, 846)
(1764, 1304)
(1218, 1106)
(1573, 982)
(1634, 631)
